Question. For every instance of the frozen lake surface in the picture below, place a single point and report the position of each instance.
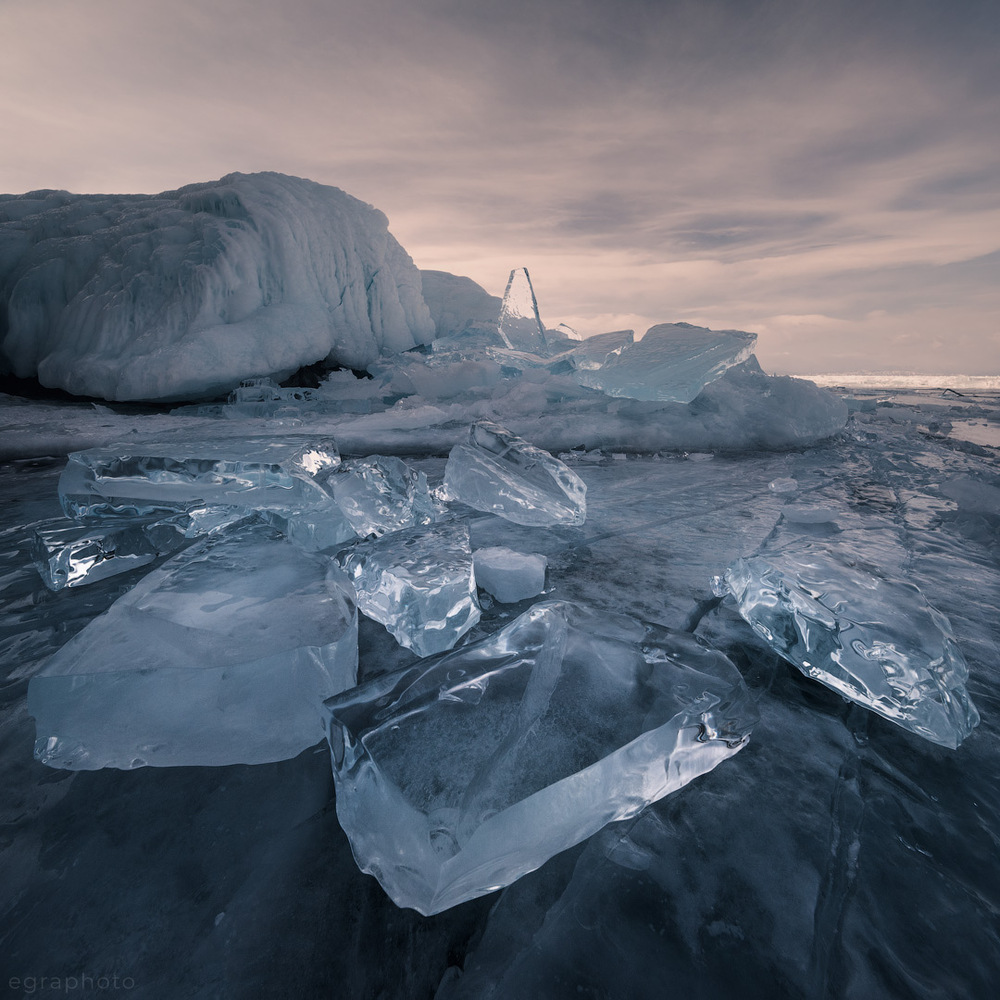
(836, 856)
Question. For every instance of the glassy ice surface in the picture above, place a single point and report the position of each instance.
(458, 776)
(138, 478)
(380, 494)
(223, 655)
(597, 351)
(673, 362)
(498, 472)
(858, 629)
(508, 575)
(520, 326)
(418, 583)
(69, 554)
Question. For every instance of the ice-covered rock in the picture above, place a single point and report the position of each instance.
(185, 293)
(458, 776)
(418, 583)
(146, 478)
(69, 554)
(223, 655)
(498, 472)
(861, 630)
(520, 325)
(381, 494)
(673, 362)
(508, 575)
(456, 302)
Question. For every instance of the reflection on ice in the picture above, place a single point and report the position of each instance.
(221, 656)
(457, 776)
(498, 472)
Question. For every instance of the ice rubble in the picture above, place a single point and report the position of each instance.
(498, 472)
(459, 775)
(221, 656)
(858, 628)
(185, 293)
(419, 583)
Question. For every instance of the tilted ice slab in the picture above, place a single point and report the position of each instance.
(418, 583)
(673, 362)
(381, 494)
(72, 554)
(498, 472)
(508, 575)
(223, 655)
(859, 630)
(183, 294)
(520, 326)
(457, 776)
(143, 478)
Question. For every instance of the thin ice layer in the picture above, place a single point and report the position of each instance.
(672, 363)
(418, 583)
(144, 478)
(381, 494)
(457, 776)
(71, 554)
(520, 326)
(498, 472)
(223, 655)
(858, 629)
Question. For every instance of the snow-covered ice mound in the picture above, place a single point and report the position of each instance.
(185, 293)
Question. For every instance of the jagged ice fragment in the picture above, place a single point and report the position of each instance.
(223, 655)
(520, 326)
(498, 472)
(508, 575)
(459, 775)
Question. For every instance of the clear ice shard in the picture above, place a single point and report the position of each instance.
(672, 363)
(72, 554)
(223, 655)
(380, 494)
(595, 352)
(459, 775)
(146, 478)
(508, 575)
(520, 326)
(868, 635)
(418, 583)
(498, 472)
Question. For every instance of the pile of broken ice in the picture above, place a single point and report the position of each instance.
(492, 751)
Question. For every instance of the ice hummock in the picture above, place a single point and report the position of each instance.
(673, 362)
(498, 472)
(181, 295)
(69, 554)
(508, 575)
(147, 478)
(459, 775)
(419, 583)
(520, 325)
(223, 655)
(860, 629)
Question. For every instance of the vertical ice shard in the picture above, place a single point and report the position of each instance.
(858, 629)
(145, 478)
(498, 472)
(418, 583)
(72, 554)
(520, 326)
(223, 655)
(380, 493)
(672, 363)
(459, 775)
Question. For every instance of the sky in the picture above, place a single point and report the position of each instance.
(825, 174)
